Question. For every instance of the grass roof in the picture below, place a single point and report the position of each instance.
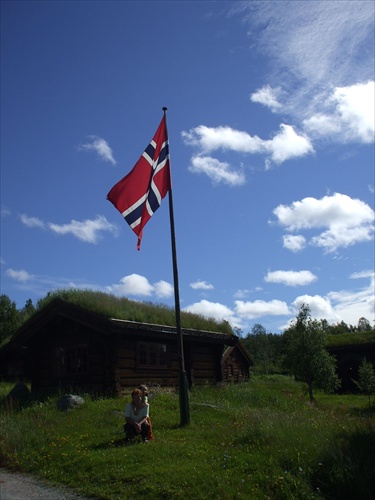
(351, 338)
(111, 306)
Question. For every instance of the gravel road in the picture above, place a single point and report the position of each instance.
(19, 486)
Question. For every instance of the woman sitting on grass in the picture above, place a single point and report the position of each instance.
(136, 416)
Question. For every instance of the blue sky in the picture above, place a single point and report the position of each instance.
(271, 130)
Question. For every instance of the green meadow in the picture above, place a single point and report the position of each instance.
(257, 440)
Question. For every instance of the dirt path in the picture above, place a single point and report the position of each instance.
(19, 486)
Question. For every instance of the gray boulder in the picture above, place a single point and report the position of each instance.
(69, 402)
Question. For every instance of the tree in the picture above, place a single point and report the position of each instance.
(9, 318)
(366, 379)
(363, 325)
(265, 349)
(27, 311)
(306, 356)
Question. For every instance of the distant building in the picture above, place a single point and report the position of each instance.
(349, 359)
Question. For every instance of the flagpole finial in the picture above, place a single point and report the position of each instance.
(164, 108)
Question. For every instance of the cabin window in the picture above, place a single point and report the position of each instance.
(152, 355)
(73, 360)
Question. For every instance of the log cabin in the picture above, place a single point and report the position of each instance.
(67, 348)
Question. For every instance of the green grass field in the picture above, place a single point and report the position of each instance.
(258, 440)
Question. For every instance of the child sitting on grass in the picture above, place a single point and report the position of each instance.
(143, 388)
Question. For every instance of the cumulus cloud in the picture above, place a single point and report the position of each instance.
(201, 285)
(286, 144)
(348, 221)
(352, 114)
(320, 307)
(215, 310)
(222, 138)
(259, 308)
(163, 289)
(99, 146)
(291, 278)
(294, 243)
(268, 97)
(19, 275)
(135, 285)
(86, 230)
(216, 170)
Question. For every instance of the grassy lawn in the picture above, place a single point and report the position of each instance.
(259, 440)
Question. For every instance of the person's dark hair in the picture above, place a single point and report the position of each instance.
(136, 392)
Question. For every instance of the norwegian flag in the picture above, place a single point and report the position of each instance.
(138, 195)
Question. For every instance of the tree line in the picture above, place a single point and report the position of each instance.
(12, 318)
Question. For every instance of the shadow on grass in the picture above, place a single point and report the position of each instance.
(347, 471)
(118, 443)
(121, 442)
(369, 411)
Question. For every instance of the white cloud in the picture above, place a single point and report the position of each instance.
(344, 305)
(294, 243)
(201, 285)
(322, 125)
(20, 275)
(291, 278)
(32, 221)
(259, 308)
(354, 304)
(322, 72)
(216, 170)
(337, 237)
(101, 147)
(215, 310)
(163, 289)
(135, 285)
(87, 230)
(222, 138)
(320, 307)
(285, 145)
(364, 274)
(348, 221)
(307, 47)
(267, 96)
(356, 106)
(352, 114)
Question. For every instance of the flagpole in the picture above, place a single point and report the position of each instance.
(182, 379)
